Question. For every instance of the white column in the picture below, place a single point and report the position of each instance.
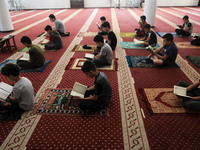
(5, 20)
(150, 11)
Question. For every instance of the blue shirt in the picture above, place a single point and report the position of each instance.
(171, 51)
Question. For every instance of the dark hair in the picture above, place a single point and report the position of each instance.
(26, 39)
(98, 38)
(143, 17)
(10, 69)
(168, 37)
(147, 26)
(48, 27)
(186, 17)
(88, 66)
(52, 16)
(103, 18)
(106, 24)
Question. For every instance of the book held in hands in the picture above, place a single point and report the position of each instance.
(98, 25)
(78, 90)
(150, 49)
(180, 91)
(89, 56)
(5, 90)
(25, 57)
(138, 41)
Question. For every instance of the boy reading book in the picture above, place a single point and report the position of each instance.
(97, 97)
(55, 40)
(142, 23)
(35, 58)
(59, 25)
(22, 97)
(104, 58)
(193, 91)
(101, 32)
(186, 29)
(169, 52)
(150, 37)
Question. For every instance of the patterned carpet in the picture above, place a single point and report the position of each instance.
(125, 126)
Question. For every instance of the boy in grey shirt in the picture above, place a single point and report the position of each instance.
(59, 25)
(104, 58)
(22, 97)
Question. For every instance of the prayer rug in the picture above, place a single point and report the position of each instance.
(162, 100)
(87, 34)
(186, 45)
(78, 63)
(26, 49)
(195, 60)
(161, 34)
(42, 34)
(127, 34)
(139, 61)
(132, 45)
(41, 69)
(59, 102)
(79, 48)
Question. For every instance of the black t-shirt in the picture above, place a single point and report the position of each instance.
(113, 38)
(102, 87)
(153, 38)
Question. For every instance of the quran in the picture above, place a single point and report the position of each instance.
(5, 90)
(78, 90)
(180, 91)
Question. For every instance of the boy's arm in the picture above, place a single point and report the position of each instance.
(159, 49)
(90, 88)
(108, 42)
(196, 98)
(13, 99)
(193, 86)
(97, 56)
(147, 39)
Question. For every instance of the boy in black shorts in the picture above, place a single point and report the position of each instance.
(97, 97)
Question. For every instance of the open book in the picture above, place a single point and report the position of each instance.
(180, 26)
(180, 91)
(150, 49)
(138, 41)
(89, 56)
(45, 41)
(79, 90)
(25, 57)
(98, 25)
(5, 90)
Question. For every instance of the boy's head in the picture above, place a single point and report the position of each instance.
(103, 19)
(52, 18)
(168, 39)
(11, 71)
(147, 28)
(99, 40)
(105, 26)
(89, 69)
(26, 41)
(143, 18)
(185, 19)
(48, 28)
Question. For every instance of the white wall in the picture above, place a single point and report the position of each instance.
(177, 2)
(44, 4)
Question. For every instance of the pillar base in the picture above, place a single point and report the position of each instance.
(6, 31)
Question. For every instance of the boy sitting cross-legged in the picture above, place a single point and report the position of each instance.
(22, 97)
